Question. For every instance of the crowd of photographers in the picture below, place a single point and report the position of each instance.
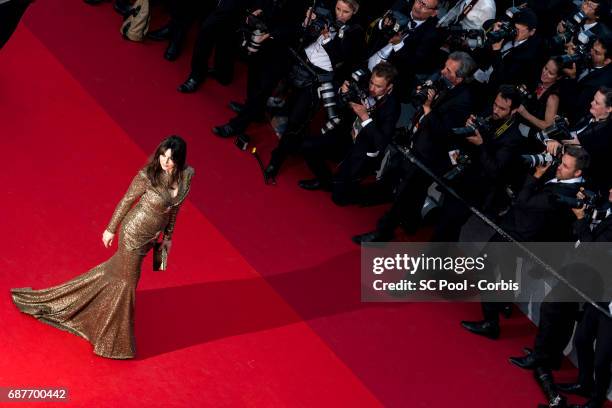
(508, 105)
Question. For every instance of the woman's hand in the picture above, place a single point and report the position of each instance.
(107, 238)
(166, 245)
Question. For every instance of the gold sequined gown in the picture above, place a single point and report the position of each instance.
(99, 304)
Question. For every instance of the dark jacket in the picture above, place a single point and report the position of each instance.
(580, 93)
(597, 141)
(346, 50)
(431, 141)
(537, 216)
(418, 56)
(380, 131)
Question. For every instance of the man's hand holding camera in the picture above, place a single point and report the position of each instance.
(360, 110)
(540, 170)
(476, 139)
(431, 95)
(579, 212)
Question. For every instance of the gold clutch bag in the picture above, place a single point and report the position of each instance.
(160, 257)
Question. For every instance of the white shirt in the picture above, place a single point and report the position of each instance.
(568, 181)
(317, 55)
(483, 10)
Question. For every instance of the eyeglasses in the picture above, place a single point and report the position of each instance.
(424, 5)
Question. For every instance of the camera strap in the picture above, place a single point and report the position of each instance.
(505, 126)
(466, 11)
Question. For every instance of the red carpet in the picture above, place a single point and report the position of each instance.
(261, 304)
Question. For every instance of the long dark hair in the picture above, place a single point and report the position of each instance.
(179, 154)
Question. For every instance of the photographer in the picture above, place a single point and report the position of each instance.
(557, 319)
(412, 49)
(515, 58)
(332, 55)
(441, 111)
(493, 149)
(271, 29)
(587, 18)
(593, 134)
(598, 73)
(216, 32)
(359, 147)
(593, 361)
(540, 110)
(536, 216)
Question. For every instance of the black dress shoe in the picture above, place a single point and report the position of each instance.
(236, 106)
(483, 328)
(373, 236)
(314, 184)
(190, 85)
(94, 2)
(122, 7)
(575, 388)
(173, 51)
(271, 172)
(224, 130)
(527, 362)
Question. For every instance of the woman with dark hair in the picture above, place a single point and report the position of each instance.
(99, 304)
(540, 112)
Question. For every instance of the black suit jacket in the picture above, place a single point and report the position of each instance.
(580, 93)
(419, 55)
(601, 233)
(346, 53)
(378, 133)
(494, 166)
(521, 65)
(536, 215)
(597, 141)
(432, 139)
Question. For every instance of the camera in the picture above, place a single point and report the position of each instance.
(541, 159)
(398, 21)
(525, 93)
(507, 31)
(325, 18)
(253, 28)
(558, 131)
(457, 36)
(463, 160)
(591, 200)
(479, 123)
(582, 52)
(436, 82)
(571, 28)
(356, 92)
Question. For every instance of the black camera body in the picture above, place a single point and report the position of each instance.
(324, 18)
(479, 123)
(591, 200)
(558, 131)
(357, 91)
(507, 31)
(436, 82)
(457, 35)
(582, 52)
(252, 28)
(399, 23)
(572, 26)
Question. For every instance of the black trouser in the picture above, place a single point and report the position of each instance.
(218, 31)
(303, 104)
(265, 69)
(594, 327)
(406, 208)
(330, 146)
(10, 14)
(454, 214)
(555, 330)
